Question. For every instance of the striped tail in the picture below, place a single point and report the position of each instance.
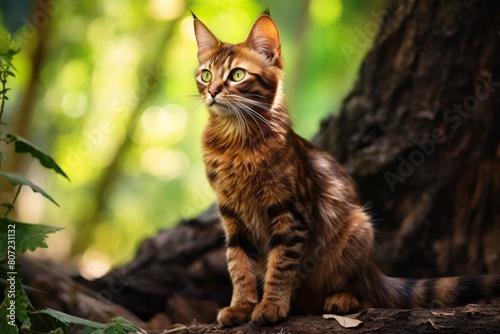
(442, 292)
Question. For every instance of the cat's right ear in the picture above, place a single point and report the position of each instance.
(265, 38)
(204, 38)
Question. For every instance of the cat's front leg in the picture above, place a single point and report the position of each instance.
(245, 297)
(241, 260)
(283, 261)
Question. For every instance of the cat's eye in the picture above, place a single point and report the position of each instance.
(237, 74)
(206, 75)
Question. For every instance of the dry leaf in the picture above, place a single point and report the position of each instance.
(437, 326)
(176, 328)
(445, 313)
(344, 321)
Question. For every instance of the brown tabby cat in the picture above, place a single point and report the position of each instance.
(290, 212)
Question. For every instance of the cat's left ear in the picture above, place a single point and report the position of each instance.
(204, 38)
(265, 38)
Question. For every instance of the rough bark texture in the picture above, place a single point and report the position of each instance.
(420, 134)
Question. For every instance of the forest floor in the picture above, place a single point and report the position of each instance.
(470, 319)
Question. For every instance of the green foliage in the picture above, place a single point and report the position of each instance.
(117, 325)
(28, 236)
(22, 145)
(19, 180)
(20, 305)
(17, 237)
(5, 328)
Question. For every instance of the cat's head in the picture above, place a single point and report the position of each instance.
(242, 80)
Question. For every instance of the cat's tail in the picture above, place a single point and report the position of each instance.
(441, 292)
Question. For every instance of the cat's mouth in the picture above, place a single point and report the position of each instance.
(210, 101)
(218, 107)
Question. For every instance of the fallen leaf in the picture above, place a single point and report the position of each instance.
(344, 321)
(437, 326)
(445, 313)
(176, 328)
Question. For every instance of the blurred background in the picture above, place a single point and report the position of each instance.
(107, 89)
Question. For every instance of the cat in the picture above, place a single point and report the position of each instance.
(290, 212)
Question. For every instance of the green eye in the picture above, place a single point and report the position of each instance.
(237, 74)
(206, 75)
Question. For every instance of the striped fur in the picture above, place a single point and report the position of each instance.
(290, 212)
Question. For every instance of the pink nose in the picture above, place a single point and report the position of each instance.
(214, 92)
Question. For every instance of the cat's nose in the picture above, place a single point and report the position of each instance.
(214, 92)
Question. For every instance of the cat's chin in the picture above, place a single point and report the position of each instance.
(220, 110)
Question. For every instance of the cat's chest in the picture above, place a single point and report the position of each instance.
(251, 177)
(236, 175)
(250, 181)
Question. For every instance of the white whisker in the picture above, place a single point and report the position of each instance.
(241, 120)
(249, 111)
(198, 104)
(244, 101)
(262, 105)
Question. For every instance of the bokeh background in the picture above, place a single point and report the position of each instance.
(107, 89)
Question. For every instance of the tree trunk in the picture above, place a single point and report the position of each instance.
(420, 135)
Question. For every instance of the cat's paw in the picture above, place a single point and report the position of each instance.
(267, 312)
(342, 303)
(235, 315)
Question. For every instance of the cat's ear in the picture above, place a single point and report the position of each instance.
(204, 38)
(265, 38)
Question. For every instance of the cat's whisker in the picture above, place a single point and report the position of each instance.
(241, 120)
(197, 105)
(261, 105)
(255, 95)
(250, 112)
(255, 113)
(247, 104)
(246, 101)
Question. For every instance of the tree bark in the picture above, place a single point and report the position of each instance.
(420, 135)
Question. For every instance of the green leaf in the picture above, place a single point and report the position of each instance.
(22, 304)
(5, 41)
(14, 300)
(27, 236)
(70, 319)
(7, 47)
(24, 146)
(18, 179)
(45, 324)
(57, 331)
(119, 325)
(7, 327)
